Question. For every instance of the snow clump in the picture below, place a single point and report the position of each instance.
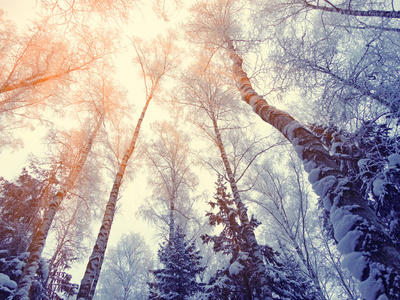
(7, 282)
(371, 287)
(321, 187)
(379, 187)
(235, 268)
(356, 263)
(394, 160)
(343, 220)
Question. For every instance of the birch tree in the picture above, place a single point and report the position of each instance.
(99, 104)
(36, 247)
(31, 191)
(370, 254)
(356, 227)
(293, 222)
(172, 202)
(71, 233)
(155, 62)
(126, 270)
(348, 83)
(205, 95)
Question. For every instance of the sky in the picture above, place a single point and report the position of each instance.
(12, 161)
(21, 11)
(135, 192)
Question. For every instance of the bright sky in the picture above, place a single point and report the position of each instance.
(145, 25)
(21, 11)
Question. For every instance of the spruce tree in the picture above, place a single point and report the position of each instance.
(236, 281)
(182, 264)
(21, 206)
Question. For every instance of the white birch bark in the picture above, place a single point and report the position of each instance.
(163, 57)
(39, 239)
(90, 278)
(369, 253)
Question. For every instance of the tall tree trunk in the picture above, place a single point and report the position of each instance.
(358, 13)
(39, 239)
(96, 278)
(163, 61)
(260, 280)
(92, 273)
(370, 255)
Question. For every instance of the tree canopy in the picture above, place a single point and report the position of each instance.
(254, 145)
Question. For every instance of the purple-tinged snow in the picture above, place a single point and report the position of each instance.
(235, 268)
(322, 187)
(370, 287)
(313, 175)
(394, 160)
(363, 164)
(378, 187)
(349, 242)
(343, 220)
(356, 263)
(289, 131)
(345, 223)
(5, 281)
(309, 166)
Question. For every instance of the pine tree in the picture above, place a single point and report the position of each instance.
(17, 224)
(182, 263)
(236, 281)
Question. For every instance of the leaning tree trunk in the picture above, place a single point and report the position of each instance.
(391, 14)
(92, 273)
(39, 239)
(260, 278)
(370, 255)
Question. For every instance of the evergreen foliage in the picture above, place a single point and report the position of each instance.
(17, 226)
(57, 70)
(61, 285)
(236, 281)
(182, 264)
(18, 223)
(370, 158)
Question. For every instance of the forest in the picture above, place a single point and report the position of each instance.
(202, 149)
